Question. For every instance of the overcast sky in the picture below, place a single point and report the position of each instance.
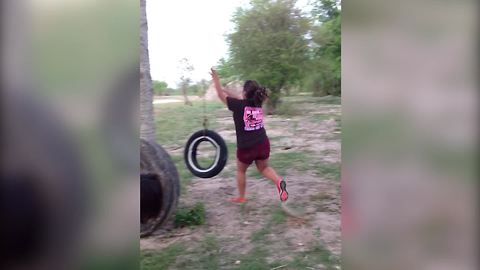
(189, 29)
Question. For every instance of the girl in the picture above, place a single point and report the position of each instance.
(252, 140)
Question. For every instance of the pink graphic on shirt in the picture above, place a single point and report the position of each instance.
(253, 118)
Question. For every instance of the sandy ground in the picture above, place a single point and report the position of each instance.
(172, 99)
(316, 197)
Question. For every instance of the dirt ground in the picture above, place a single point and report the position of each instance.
(305, 144)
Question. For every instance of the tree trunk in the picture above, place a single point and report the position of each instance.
(147, 124)
(185, 97)
(272, 101)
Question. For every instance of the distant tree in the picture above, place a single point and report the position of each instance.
(326, 10)
(226, 70)
(269, 45)
(186, 70)
(160, 88)
(203, 85)
(325, 65)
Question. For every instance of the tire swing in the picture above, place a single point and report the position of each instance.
(191, 151)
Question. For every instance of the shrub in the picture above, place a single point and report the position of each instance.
(190, 216)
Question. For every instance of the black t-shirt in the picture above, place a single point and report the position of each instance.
(248, 122)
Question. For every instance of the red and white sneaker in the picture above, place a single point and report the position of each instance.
(282, 190)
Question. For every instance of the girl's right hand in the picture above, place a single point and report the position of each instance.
(214, 73)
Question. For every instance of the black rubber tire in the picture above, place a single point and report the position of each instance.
(155, 160)
(190, 153)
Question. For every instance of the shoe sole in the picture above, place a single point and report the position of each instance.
(283, 188)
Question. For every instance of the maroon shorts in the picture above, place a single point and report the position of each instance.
(260, 151)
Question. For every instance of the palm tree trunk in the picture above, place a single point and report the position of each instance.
(147, 124)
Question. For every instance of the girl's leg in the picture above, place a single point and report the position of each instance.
(267, 171)
(241, 178)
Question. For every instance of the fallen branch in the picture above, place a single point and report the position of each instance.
(174, 235)
(278, 267)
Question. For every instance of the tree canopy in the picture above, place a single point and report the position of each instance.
(325, 67)
(269, 44)
(280, 46)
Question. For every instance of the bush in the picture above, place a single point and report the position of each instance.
(160, 88)
(190, 217)
(323, 83)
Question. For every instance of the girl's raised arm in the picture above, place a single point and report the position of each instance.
(216, 81)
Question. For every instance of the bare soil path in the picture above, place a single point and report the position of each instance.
(306, 152)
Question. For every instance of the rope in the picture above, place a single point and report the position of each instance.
(205, 119)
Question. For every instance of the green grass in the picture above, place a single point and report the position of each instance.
(183, 172)
(209, 250)
(278, 216)
(205, 256)
(330, 100)
(320, 117)
(287, 109)
(190, 216)
(259, 235)
(317, 255)
(205, 162)
(327, 100)
(283, 161)
(254, 260)
(175, 123)
(300, 161)
(153, 260)
(328, 170)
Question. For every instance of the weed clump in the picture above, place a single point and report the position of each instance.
(190, 216)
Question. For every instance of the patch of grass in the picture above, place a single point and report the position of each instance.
(175, 122)
(332, 100)
(160, 259)
(328, 100)
(254, 260)
(287, 109)
(339, 122)
(205, 162)
(199, 255)
(321, 196)
(287, 160)
(190, 216)
(254, 173)
(278, 216)
(313, 257)
(320, 117)
(260, 235)
(300, 161)
(183, 172)
(318, 255)
(329, 170)
(208, 252)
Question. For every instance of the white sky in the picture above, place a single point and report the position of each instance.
(192, 29)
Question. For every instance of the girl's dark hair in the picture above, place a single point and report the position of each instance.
(254, 93)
